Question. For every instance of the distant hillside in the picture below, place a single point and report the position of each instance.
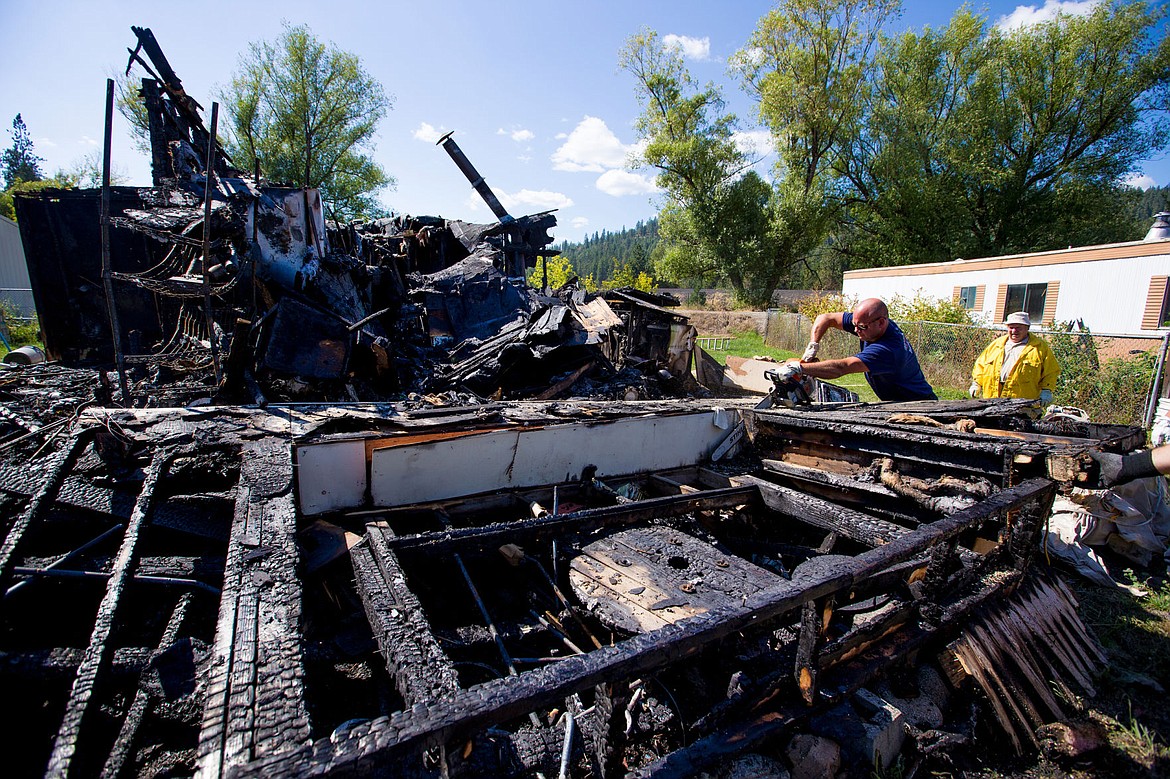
(1150, 202)
(599, 254)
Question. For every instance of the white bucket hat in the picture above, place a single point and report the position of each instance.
(1019, 318)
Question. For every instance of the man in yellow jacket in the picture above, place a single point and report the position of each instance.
(1016, 365)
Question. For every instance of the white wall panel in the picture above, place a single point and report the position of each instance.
(401, 475)
(331, 476)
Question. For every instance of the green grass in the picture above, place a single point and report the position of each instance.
(18, 332)
(751, 344)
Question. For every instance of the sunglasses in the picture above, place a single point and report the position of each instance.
(863, 328)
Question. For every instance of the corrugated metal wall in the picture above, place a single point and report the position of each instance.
(14, 283)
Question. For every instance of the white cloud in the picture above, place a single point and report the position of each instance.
(525, 158)
(591, 147)
(1029, 15)
(691, 48)
(427, 133)
(621, 182)
(1140, 180)
(531, 201)
(579, 222)
(561, 136)
(86, 140)
(43, 142)
(519, 136)
(756, 143)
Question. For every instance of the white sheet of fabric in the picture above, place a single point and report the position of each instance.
(1131, 519)
(1068, 527)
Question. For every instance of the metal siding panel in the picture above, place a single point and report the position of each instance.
(1108, 295)
(15, 286)
(401, 475)
(331, 476)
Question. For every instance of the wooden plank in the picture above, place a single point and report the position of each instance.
(663, 572)
(96, 654)
(254, 703)
(519, 532)
(860, 527)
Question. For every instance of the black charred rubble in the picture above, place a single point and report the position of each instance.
(228, 591)
(302, 307)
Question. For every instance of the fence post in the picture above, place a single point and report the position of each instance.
(1156, 387)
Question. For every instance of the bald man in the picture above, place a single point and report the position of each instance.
(886, 358)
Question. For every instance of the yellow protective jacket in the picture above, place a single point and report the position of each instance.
(1037, 369)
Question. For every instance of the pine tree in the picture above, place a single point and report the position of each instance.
(19, 163)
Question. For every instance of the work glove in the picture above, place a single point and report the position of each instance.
(810, 352)
(1110, 467)
(973, 390)
(789, 373)
(1116, 469)
(1045, 397)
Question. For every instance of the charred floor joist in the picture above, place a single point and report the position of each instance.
(617, 601)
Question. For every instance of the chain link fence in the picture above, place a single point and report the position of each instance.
(1115, 379)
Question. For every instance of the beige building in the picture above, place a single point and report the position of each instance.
(1120, 288)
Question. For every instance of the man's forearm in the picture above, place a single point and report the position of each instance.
(829, 369)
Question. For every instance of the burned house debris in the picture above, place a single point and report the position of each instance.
(300, 307)
(519, 588)
(507, 552)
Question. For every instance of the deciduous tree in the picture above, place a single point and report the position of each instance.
(716, 219)
(307, 112)
(979, 142)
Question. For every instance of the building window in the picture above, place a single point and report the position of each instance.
(967, 297)
(1026, 297)
(1164, 318)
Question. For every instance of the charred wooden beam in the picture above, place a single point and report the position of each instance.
(42, 501)
(860, 527)
(65, 744)
(583, 521)
(254, 705)
(934, 449)
(864, 495)
(421, 670)
(125, 741)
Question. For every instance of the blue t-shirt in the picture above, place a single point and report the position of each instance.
(894, 372)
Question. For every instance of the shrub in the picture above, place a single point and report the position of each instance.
(823, 302)
(923, 308)
(719, 301)
(18, 331)
(1076, 351)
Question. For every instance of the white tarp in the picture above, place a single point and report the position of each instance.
(1132, 520)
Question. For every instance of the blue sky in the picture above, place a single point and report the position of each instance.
(531, 89)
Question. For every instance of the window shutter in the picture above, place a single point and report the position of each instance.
(1050, 303)
(1155, 299)
(1000, 302)
(979, 296)
(955, 295)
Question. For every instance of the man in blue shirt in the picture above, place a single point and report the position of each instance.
(886, 357)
